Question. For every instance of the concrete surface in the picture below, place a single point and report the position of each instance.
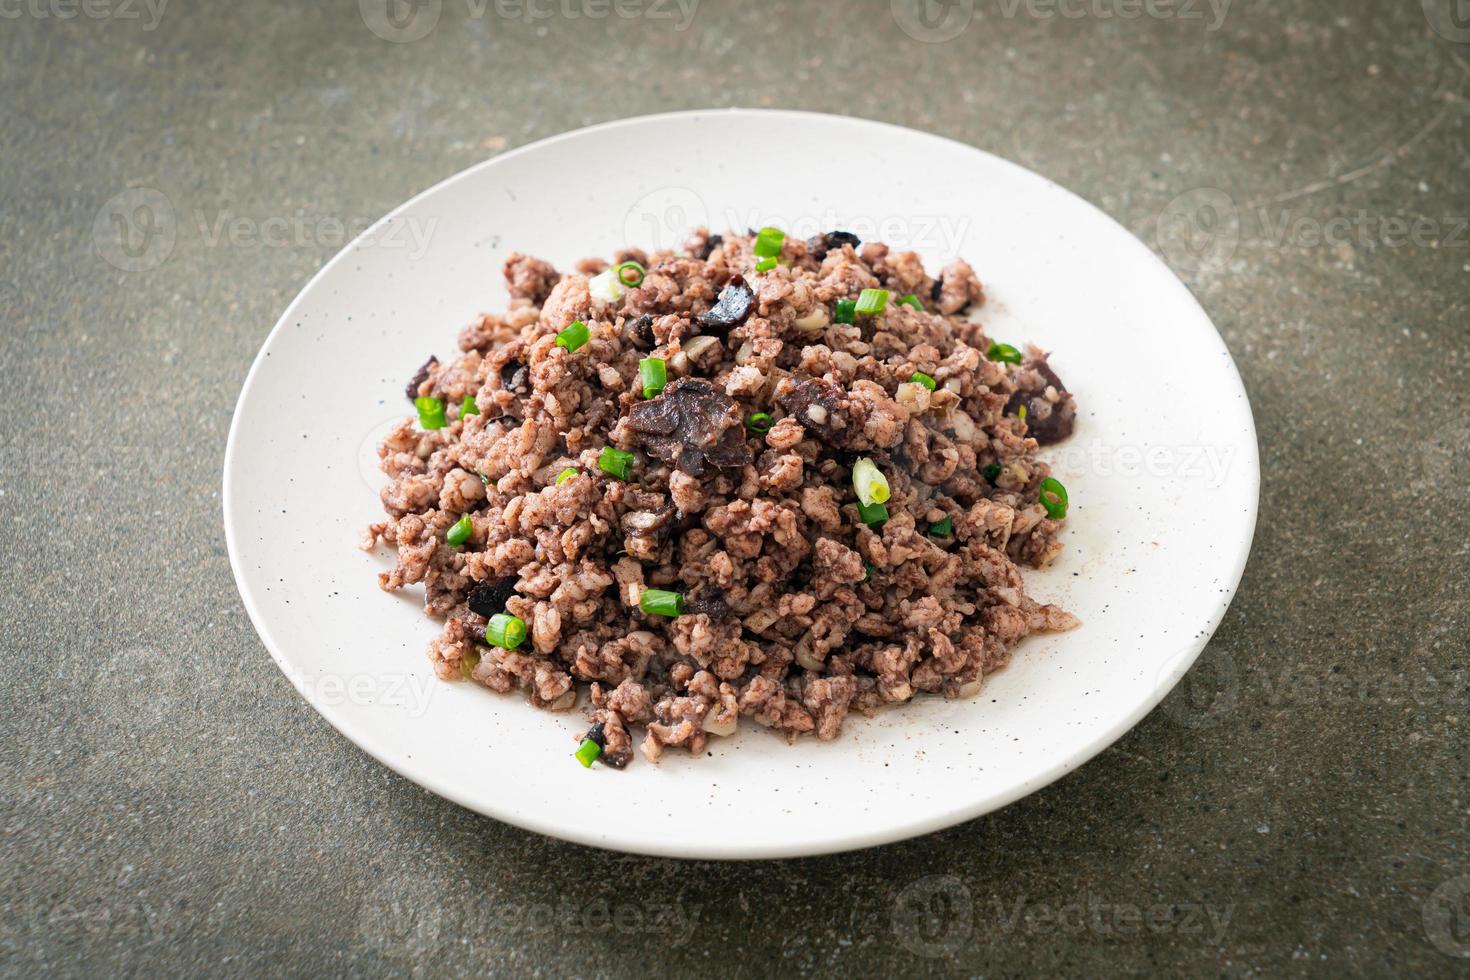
(172, 807)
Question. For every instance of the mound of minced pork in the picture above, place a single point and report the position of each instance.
(757, 478)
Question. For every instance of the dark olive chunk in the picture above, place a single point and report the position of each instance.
(690, 426)
(736, 301)
(420, 377)
(488, 598)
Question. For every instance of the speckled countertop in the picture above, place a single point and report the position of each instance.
(1299, 806)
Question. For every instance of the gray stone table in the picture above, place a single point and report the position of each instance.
(172, 807)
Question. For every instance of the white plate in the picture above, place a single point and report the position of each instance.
(1162, 470)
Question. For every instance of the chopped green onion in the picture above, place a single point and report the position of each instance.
(1003, 352)
(768, 242)
(919, 377)
(431, 413)
(992, 472)
(484, 479)
(574, 337)
(872, 513)
(845, 312)
(655, 376)
(615, 462)
(1021, 413)
(468, 407)
(505, 631)
(872, 301)
(633, 281)
(606, 286)
(657, 602)
(1054, 498)
(942, 529)
(461, 531)
(588, 753)
(912, 300)
(869, 482)
(759, 423)
(766, 265)
(570, 473)
(868, 569)
(468, 661)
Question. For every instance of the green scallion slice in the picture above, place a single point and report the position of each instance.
(759, 423)
(657, 602)
(570, 473)
(631, 274)
(506, 631)
(1021, 413)
(1054, 498)
(992, 472)
(768, 242)
(461, 531)
(872, 301)
(868, 569)
(615, 463)
(869, 482)
(1004, 353)
(655, 376)
(431, 413)
(468, 407)
(845, 311)
(766, 265)
(942, 529)
(919, 377)
(912, 300)
(872, 513)
(588, 753)
(574, 337)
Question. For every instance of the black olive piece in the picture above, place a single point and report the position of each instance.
(641, 333)
(708, 248)
(513, 376)
(736, 301)
(938, 288)
(711, 603)
(488, 598)
(691, 425)
(820, 245)
(597, 733)
(412, 391)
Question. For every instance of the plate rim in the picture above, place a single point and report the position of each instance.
(926, 823)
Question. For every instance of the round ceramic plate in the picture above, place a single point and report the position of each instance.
(1162, 472)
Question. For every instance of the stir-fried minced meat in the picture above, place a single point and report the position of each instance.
(727, 501)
